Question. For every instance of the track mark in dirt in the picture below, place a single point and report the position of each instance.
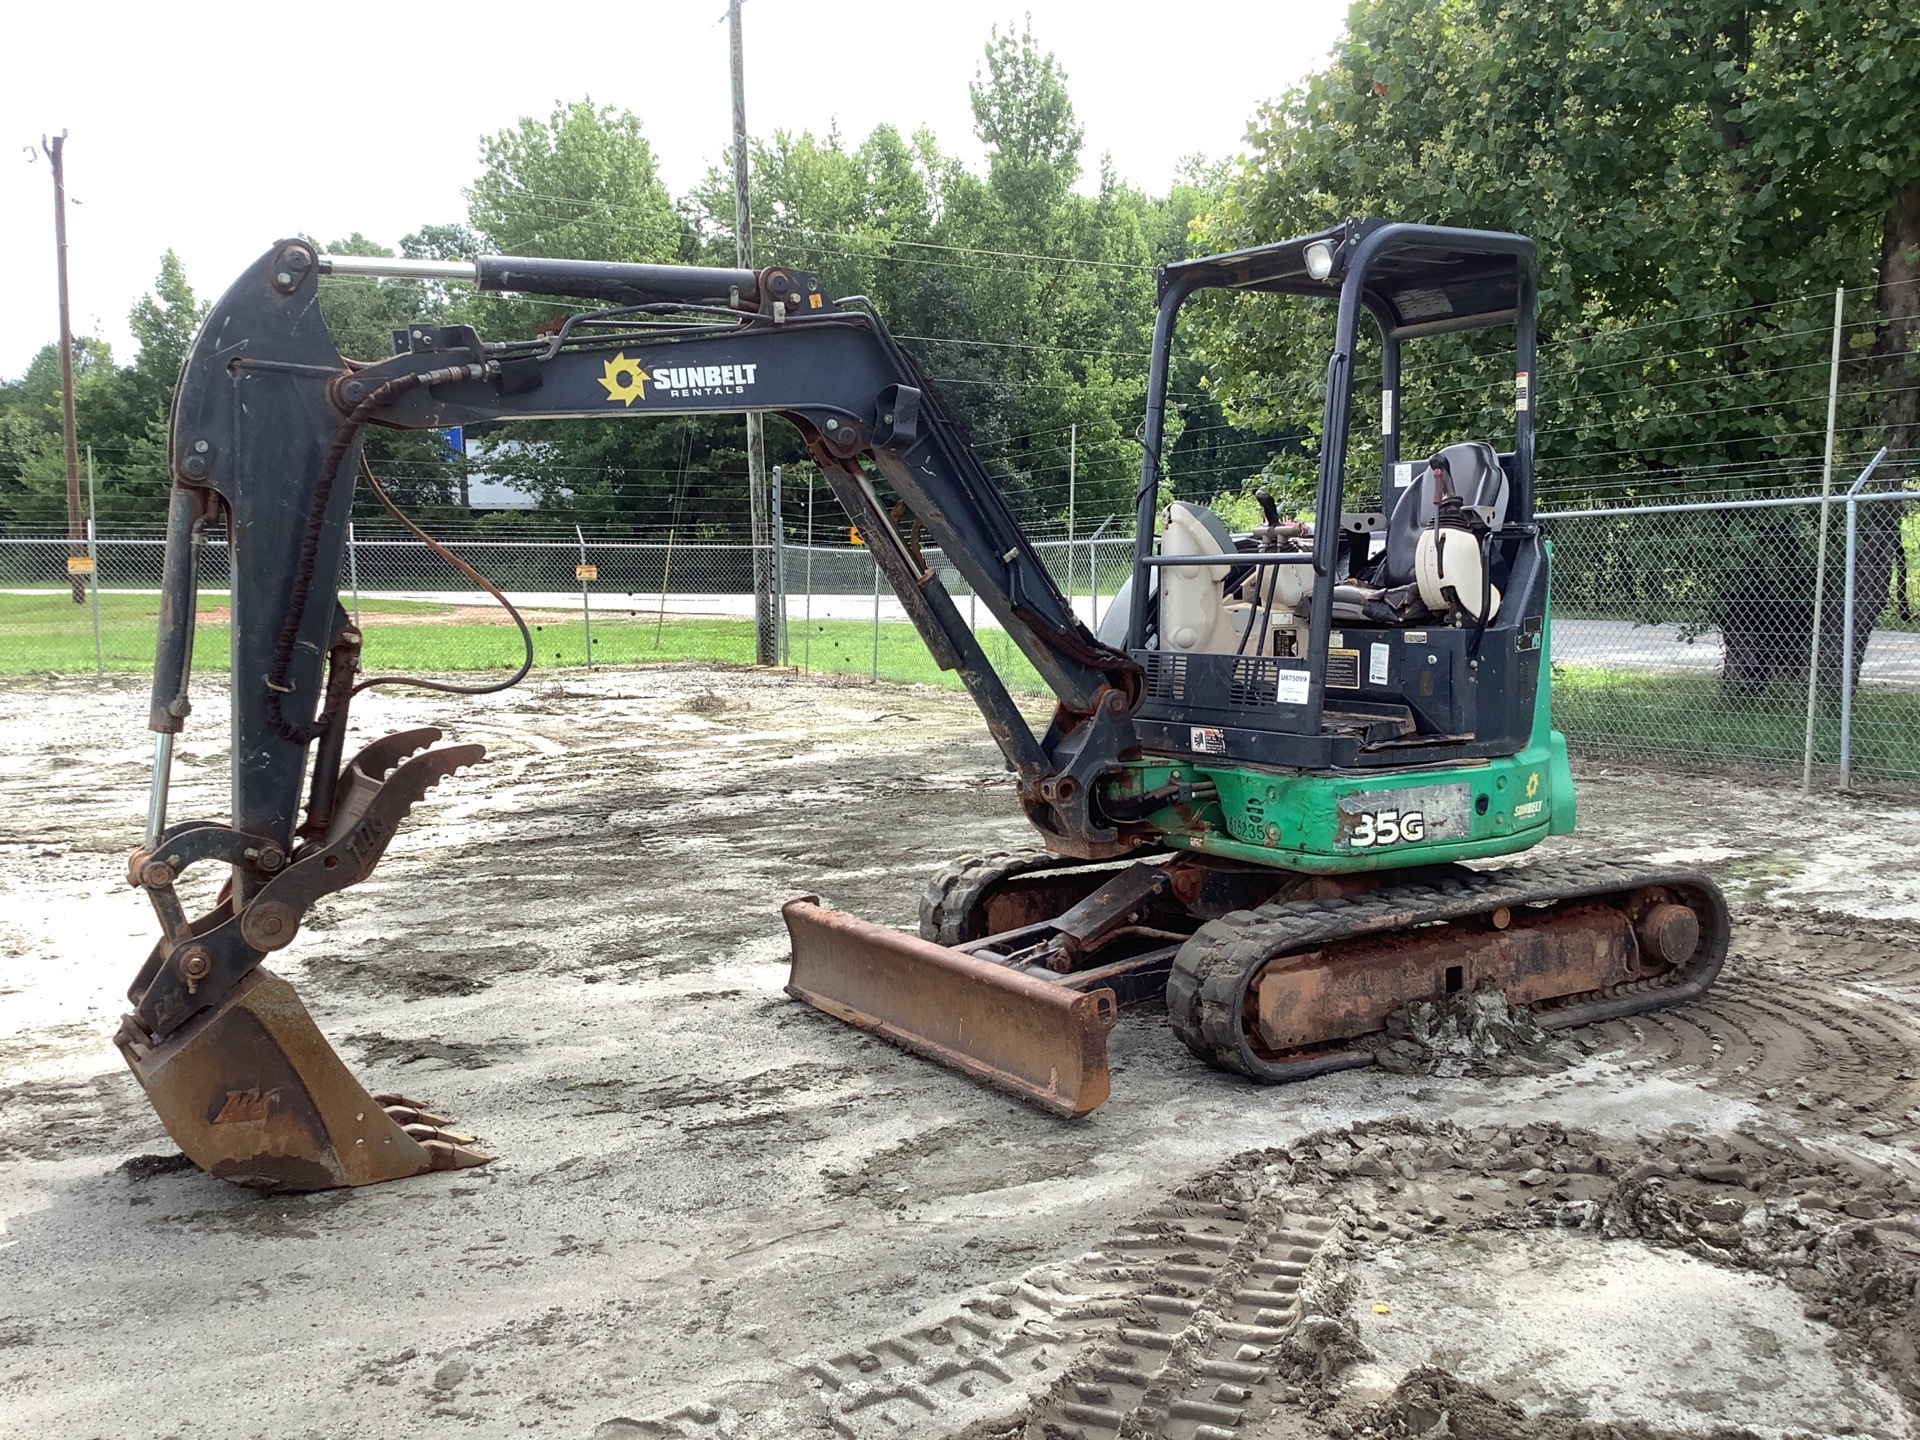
(1228, 1312)
(1220, 1291)
(378, 1049)
(65, 1119)
(382, 969)
(1813, 1016)
(956, 1160)
(1164, 1328)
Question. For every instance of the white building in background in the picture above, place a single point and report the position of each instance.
(485, 491)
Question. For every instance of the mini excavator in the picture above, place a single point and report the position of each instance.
(1258, 797)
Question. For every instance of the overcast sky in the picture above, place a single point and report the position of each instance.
(215, 128)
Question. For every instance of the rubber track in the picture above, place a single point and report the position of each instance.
(1207, 990)
(958, 886)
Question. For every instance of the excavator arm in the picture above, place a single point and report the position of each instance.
(268, 425)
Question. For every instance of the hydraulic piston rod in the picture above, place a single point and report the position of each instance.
(613, 281)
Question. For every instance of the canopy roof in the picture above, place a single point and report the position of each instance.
(1419, 279)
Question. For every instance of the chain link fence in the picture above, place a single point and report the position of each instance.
(1686, 633)
(622, 601)
(1683, 634)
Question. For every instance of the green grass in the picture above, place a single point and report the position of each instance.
(1647, 715)
(1651, 715)
(47, 633)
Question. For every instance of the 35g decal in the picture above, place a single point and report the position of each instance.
(1373, 829)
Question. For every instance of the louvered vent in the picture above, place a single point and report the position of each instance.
(1166, 677)
(1256, 681)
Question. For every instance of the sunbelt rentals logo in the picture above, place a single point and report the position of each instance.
(624, 380)
(627, 380)
(1532, 807)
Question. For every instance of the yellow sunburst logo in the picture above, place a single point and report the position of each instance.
(1533, 784)
(624, 380)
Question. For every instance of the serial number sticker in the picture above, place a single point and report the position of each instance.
(1378, 819)
(1343, 669)
(1209, 741)
(1376, 664)
(1292, 687)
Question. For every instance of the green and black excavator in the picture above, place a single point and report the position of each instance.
(1258, 796)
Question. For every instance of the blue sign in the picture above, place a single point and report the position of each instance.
(456, 439)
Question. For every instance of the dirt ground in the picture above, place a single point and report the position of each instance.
(717, 1213)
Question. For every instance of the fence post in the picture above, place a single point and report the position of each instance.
(666, 574)
(876, 617)
(93, 571)
(583, 572)
(806, 643)
(1093, 573)
(1820, 562)
(1846, 678)
(1073, 456)
(353, 572)
(779, 536)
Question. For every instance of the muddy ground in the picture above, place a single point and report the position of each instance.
(717, 1213)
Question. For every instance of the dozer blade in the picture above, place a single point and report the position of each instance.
(1043, 1042)
(253, 1093)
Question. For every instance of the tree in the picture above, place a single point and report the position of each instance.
(1693, 169)
(583, 184)
(1022, 113)
(163, 325)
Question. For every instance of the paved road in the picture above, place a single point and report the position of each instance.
(1892, 660)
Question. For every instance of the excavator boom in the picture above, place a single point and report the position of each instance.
(267, 429)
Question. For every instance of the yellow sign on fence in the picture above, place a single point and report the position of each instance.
(79, 564)
(584, 573)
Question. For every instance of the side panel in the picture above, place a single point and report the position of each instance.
(1387, 819)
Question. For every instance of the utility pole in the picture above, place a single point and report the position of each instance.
(766, 630)
(55, 151)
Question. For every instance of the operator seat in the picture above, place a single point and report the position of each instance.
(1392, 597)
(1478, 480)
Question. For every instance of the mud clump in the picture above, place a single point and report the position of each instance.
(149, 1167)
(1470, 1034)
(1837, 1229)
(1434, 1404)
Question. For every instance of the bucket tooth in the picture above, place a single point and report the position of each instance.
(252, 1092)
(1044, 1042)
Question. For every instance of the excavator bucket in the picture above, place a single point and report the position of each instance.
(1045, 1042)
(252, 1092)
